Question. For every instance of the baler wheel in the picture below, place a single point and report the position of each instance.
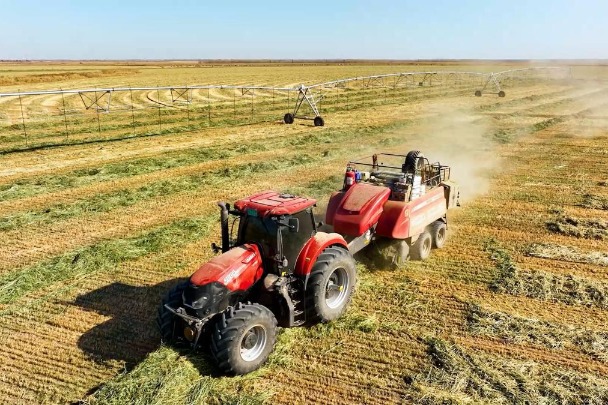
(389, 252)
(330, 285)
(422, 247)
(319, 122)
(243, 338)
(166, 320)
(288, 118)
(438, 233)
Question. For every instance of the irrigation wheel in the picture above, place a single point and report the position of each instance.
(288, 118)
(319, 122)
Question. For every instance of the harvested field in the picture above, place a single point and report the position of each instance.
(511, 310)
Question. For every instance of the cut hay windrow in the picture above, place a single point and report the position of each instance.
(102, 257)
(566, 253)
(596, 202)
(168, 377)
(458, 375)
(568, 289)
(580, 228)
(129, 197)
(516, 329)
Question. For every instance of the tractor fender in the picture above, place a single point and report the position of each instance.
(313, 248)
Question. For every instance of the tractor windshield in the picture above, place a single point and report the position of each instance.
(261, 231)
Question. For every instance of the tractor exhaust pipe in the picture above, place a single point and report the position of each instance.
(224, 222)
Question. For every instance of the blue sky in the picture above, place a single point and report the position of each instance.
(179, 29)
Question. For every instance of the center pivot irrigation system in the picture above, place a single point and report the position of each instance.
(100, 99)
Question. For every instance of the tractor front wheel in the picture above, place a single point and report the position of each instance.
(243, 338)
(170, 327)
(422, 247)
(331, 285)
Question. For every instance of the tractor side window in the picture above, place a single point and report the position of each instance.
(293, 242)
(262, 231)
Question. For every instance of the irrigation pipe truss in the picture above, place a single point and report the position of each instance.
(96, 97)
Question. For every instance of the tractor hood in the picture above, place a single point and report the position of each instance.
(237, 269)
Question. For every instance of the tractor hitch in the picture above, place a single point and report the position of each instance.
(192, 321)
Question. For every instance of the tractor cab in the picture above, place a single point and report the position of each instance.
(279, 224)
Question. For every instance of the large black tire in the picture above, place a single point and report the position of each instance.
(438, 233)
(477, 93)
(501, 94)
(411, 161)
(421, 249)
(330, 286)
(243, 338)
(319, 122)
(288, 118)
(165, 319)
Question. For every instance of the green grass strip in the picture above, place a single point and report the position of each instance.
(102, 257)
(31, 186)
(127, 197)
(167, 377)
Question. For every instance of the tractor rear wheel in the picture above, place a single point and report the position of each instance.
(438, 232)
(330, 286)
(243, 338)
(168, 324)
(421, 249)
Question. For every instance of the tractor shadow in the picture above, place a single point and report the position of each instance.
(131, 332)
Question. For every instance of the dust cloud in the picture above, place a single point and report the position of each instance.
(461, 139)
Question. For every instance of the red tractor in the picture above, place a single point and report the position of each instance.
(277, 270)
(401, 201)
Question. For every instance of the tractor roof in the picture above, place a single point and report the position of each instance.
(273, 203)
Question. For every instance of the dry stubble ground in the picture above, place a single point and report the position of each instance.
(86, 259)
